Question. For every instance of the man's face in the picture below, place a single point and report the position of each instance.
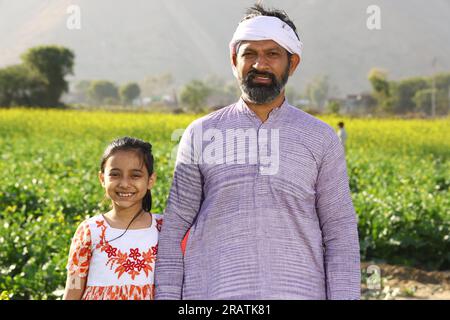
(263, 68)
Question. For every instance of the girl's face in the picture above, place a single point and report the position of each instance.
(126, 179)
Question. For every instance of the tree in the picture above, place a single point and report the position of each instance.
(379, 82)
(194, 95)
(317, 91)
(129, 92)
(102, 91)
(157, 85)
(52, 63)
(221, 92)
(19, 86)
(422, 100)
(404, 92)
(291, 94)
(442, 81)
(333, 107)
(80, 91)
(382, 88)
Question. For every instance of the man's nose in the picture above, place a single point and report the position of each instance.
(260, 63)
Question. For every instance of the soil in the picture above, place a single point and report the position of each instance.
(400, 282)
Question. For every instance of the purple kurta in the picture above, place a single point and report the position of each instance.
(260, 229)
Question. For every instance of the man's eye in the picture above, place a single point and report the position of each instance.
(273, 54)
(136, 176)
(113, 174)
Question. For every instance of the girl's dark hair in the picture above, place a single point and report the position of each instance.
(143, 149)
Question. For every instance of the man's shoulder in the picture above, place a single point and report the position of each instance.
(211, 119)
(309, 123)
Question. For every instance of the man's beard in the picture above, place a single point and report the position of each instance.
(263, 93)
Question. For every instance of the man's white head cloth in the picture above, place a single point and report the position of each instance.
(266, 28)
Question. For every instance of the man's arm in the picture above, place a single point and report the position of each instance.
(183, 205)
(338, 223)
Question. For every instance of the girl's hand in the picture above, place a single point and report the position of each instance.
(75, 286)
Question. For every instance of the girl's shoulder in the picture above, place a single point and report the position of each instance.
(85, 229)
(91, 222)
(94, 219)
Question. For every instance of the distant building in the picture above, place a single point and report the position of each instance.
(357, 103)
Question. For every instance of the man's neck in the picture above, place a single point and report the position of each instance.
(263, 110)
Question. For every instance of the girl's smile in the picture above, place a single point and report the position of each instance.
(126, 179)
(125, 195)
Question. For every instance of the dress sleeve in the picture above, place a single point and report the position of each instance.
(80, 251)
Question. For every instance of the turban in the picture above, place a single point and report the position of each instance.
(266, 28)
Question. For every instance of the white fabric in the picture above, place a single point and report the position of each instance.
(267, 28)
(103, 274)
(342, 134)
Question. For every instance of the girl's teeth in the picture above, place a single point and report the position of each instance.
(125, 194)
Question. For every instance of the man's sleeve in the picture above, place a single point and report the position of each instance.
(338, 223)
(183, 205)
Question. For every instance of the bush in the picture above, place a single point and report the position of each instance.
(102, 91)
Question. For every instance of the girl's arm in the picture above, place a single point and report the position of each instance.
(78, 263)
(75, 286)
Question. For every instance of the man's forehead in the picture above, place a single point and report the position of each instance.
(259, 45)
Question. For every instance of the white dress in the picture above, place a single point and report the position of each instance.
(118, 269)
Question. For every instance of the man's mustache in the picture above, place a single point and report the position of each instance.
(253, 73)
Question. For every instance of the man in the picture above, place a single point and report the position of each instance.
(342, 134)
(271, 218)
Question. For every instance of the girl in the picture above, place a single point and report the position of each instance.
(112, 255)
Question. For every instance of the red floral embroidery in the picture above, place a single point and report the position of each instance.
(121, 260)
(80, 251)
(127, 292)
(139, 265)
(111, 251)
(134, 254)
(129, 265)
(158, 224)
(100, 223)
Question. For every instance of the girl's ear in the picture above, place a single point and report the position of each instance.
(101, 177)
(151, 180)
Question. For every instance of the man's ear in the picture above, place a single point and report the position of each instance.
(233, 59)
(295, 61)
(233, 65)
(101, 177)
